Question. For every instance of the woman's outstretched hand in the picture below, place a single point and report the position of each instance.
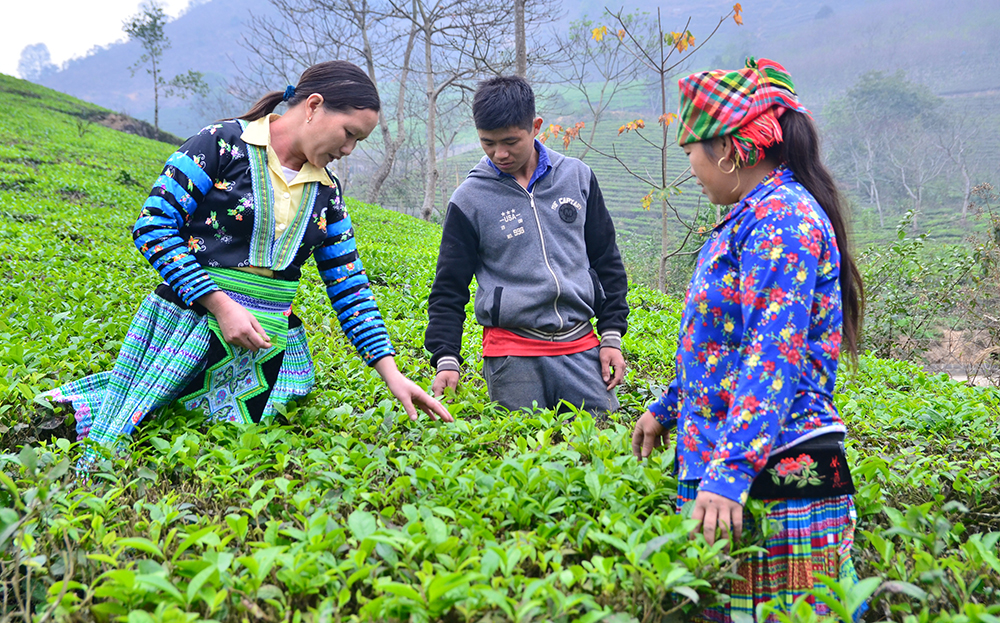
(408, 393)
(239, 327)
(717, 512)
(648, 434)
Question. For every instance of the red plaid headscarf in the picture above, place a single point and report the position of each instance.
(744, 104)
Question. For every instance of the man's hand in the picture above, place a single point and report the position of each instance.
(716, 512)
(443, 379)
(612, 361)
(238, 325)
(648, 434)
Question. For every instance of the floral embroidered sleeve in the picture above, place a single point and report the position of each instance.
(779, 261)
(183, 184)
(348, 287)
(664, 408)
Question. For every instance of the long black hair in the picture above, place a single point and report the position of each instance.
(343, 86)
(799, 150)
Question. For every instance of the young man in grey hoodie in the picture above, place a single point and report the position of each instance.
(531, 225)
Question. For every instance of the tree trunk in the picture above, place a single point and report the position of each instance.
(967, 191)
(521, 44)
(392, 145)
(156, 98)
(664, 240)
(430, 187)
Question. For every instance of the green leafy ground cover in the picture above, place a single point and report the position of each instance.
(350, 512)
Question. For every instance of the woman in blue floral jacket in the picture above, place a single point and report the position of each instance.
(774, 298)
(237, 211)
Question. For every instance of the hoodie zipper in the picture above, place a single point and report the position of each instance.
(545, 256)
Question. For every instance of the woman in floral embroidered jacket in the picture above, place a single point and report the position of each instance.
(237, 211)
(774, 298)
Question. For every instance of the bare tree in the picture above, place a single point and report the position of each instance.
(662, 55)
(460, 42)
(598, 69)
(919, 160)
(520, 38)
(311, 31)
(147, 27)
(954, 142)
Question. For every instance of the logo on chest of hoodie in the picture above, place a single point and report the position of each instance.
(568, 208)
(510, 223)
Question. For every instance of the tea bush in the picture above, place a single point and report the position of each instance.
(346, 510)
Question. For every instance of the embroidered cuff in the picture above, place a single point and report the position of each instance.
(448, 363)
(611, 339)
(734, 487)
(664, 414)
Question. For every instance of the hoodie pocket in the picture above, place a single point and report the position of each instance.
(495, 309)
(598, 293)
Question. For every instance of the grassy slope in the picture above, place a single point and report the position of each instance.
(72, 280)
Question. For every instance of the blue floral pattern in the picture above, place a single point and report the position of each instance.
(759, 340)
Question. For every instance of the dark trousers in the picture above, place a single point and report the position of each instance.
(517, 383)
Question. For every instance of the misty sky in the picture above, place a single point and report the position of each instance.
(68, 27)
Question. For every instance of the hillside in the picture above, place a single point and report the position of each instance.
(349, 511)
(825, 46)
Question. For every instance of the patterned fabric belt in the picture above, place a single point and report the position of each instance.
(269, 300)
(816, 468)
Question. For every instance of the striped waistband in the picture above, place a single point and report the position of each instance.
(255, 286)
(573, 333)
(269, 300)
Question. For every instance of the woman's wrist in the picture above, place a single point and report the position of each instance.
(386, 368)
(213, 301)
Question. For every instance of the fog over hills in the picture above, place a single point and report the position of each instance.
(949, 46)
(944, 49)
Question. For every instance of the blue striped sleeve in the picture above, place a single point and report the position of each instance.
(172, 201)
(349, 290)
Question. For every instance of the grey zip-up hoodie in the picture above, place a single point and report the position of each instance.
(546, 262)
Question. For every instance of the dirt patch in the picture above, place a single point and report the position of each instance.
(130, 125)
(970, 356)
(72, 195)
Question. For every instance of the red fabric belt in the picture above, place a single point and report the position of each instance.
(499, 342)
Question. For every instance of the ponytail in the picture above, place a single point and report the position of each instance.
(799, 150)
(343, 85)
(264, 106)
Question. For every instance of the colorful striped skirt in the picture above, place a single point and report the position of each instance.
(815, 538)
(176, 352)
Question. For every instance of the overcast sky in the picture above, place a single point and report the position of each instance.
(68, 27)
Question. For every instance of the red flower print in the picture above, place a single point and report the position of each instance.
(787, 466)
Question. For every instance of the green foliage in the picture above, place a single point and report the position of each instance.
(909, 287)
(345, 510)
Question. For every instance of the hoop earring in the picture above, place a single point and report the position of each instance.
(719, 165)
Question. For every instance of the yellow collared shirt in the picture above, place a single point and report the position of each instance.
(287, 195)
